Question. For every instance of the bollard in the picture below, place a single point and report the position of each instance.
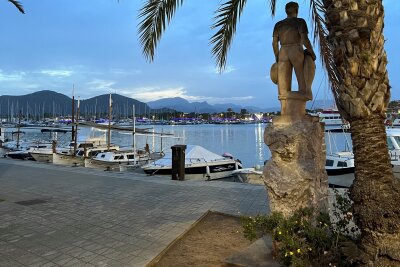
(178, 162)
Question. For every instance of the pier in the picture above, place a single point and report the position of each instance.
(57, 215)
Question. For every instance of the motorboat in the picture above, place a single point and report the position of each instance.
(25, 153)
(330, 117)
(393, 142)
(78, 159)
(46, 155)
(200, 164)
(113, 159)
(343, 162)
(340, 163)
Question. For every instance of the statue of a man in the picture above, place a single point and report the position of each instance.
(291, 33)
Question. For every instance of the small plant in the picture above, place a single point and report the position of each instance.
(308, 237)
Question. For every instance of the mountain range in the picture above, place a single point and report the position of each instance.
(181, 104)
(53, 103)
(49, 102)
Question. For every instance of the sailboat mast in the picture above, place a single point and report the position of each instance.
(77, 119)
(18, 129)
(109, 123)
(134, 128)
(73, 118)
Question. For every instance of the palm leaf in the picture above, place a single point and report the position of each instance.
(17, 5)
(154, 16)
(321, 36)
(272, 5)
(226, 18)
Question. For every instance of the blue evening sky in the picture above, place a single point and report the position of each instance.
(94, 45)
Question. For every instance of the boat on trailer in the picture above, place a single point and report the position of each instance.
(200, 164)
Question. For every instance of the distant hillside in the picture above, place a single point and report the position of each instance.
(181, 104)
(122, 105)
(51, 103)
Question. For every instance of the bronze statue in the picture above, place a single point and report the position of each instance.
(292, 33)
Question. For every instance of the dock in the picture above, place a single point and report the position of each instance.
(71, 216)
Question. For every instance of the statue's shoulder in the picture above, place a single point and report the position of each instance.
(301, 20)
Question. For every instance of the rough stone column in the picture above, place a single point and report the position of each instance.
(295, 175)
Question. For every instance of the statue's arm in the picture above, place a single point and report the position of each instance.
(306, 42)
(275, 46)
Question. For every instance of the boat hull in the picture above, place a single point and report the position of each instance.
(339, 171)
(197, 172)
(21, 156)
(69, 160)
(42, 157)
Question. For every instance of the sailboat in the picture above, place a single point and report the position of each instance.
(86, 149)
(114, 159)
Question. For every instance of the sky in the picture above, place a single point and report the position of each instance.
(94, 45)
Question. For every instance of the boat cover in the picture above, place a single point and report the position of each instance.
(194, 154)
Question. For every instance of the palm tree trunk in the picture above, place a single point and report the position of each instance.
(376, 194)
(356, 34)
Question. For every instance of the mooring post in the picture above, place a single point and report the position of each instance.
(178, 162)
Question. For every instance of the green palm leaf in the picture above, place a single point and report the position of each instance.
(17, 5)
(226, 18)
(321, 37)
(272, 4)
(155, 15)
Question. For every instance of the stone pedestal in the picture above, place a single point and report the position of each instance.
(295, 175)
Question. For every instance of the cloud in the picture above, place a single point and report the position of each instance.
(13, 77)
(125, 72)
(147, 94)
(228, 69)
(57, 73)
(100, 85)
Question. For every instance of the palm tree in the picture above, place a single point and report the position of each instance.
(18, 5)
(350, 35)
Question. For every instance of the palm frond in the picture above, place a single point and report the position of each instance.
(321, 36)
(226, 18)
(155, 15)
(18, 5)
(272, 5)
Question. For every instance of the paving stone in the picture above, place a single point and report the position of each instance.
(95, 218)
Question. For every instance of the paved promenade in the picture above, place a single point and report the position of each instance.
(85, 217)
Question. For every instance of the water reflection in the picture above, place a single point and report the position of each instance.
(244, 141)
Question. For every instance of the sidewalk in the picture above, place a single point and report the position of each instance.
(91, 217)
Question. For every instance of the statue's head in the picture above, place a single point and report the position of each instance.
(292, 9)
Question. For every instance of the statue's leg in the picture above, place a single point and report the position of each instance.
(296, 56)
(284, 78)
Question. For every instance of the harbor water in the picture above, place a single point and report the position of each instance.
(244, 141)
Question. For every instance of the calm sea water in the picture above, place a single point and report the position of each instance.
(243, 141)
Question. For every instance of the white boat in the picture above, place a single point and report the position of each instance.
(343, 162)
(330, 117)
(339, 163)
(81, 154)
(200, 164)
(46, 155)
(25, 152)
(113, 159)
(393, 142)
